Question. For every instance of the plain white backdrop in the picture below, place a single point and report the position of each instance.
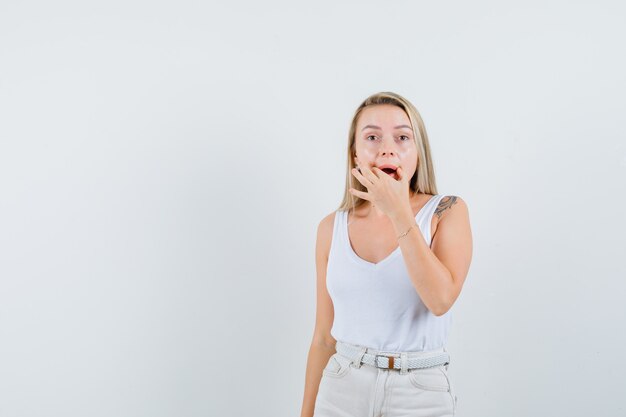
(164, 167)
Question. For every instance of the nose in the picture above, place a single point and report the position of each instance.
(387, 147)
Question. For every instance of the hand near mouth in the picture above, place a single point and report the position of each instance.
(391, 196)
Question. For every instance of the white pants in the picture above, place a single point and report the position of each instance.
(348, 389)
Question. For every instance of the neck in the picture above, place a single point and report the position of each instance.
(374, 212)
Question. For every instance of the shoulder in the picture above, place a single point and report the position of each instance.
(327, 223)
(325, 234)
(451, 206)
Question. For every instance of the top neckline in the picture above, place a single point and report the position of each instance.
(387, 258)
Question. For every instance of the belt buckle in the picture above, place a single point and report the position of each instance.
(390, 360)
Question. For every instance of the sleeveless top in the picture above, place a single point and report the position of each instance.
(376, 305)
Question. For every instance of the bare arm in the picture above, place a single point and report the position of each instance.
(438, 274)
(323, 344)
(317, 359)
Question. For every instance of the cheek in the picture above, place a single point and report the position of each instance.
(367, 152)
(408, 156)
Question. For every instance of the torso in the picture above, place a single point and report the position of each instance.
(373, 240)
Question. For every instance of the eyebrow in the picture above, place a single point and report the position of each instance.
(378, 127)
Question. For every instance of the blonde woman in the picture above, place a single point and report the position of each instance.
(391, 262)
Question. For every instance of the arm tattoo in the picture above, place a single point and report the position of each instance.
(444, 204)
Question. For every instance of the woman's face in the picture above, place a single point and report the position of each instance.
(383, 136)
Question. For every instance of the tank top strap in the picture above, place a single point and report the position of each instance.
(426, 217)
(338, 227)
(434, 204)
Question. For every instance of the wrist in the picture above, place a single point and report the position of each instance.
(403, 221)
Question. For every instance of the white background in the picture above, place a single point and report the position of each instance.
(164, 167)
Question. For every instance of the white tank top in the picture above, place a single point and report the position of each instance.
(376, 305)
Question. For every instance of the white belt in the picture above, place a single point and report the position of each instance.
(392, 361)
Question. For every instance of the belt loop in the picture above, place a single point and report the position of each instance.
(403, 363)
(358, 359)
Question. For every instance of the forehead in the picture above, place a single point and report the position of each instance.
(384, 115)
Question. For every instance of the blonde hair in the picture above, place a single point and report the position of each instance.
(424, 178)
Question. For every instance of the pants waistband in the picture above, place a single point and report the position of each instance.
(387, 359)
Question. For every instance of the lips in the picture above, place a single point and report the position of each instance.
(389, 169)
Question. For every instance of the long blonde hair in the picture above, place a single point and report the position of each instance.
(424, 178)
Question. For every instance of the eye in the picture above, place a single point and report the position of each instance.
(404, 136)
(370, 136)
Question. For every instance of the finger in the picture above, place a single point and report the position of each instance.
(359, 176)
(378, 172)
(369, 174)
(362, 194)
(406, 178)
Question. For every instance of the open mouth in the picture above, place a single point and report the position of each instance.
(391, 172)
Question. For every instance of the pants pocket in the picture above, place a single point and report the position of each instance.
(337, 366)
(430, 379)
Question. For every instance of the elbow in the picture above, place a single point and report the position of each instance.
(441, 311)
(442, 308)
(446, 300)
